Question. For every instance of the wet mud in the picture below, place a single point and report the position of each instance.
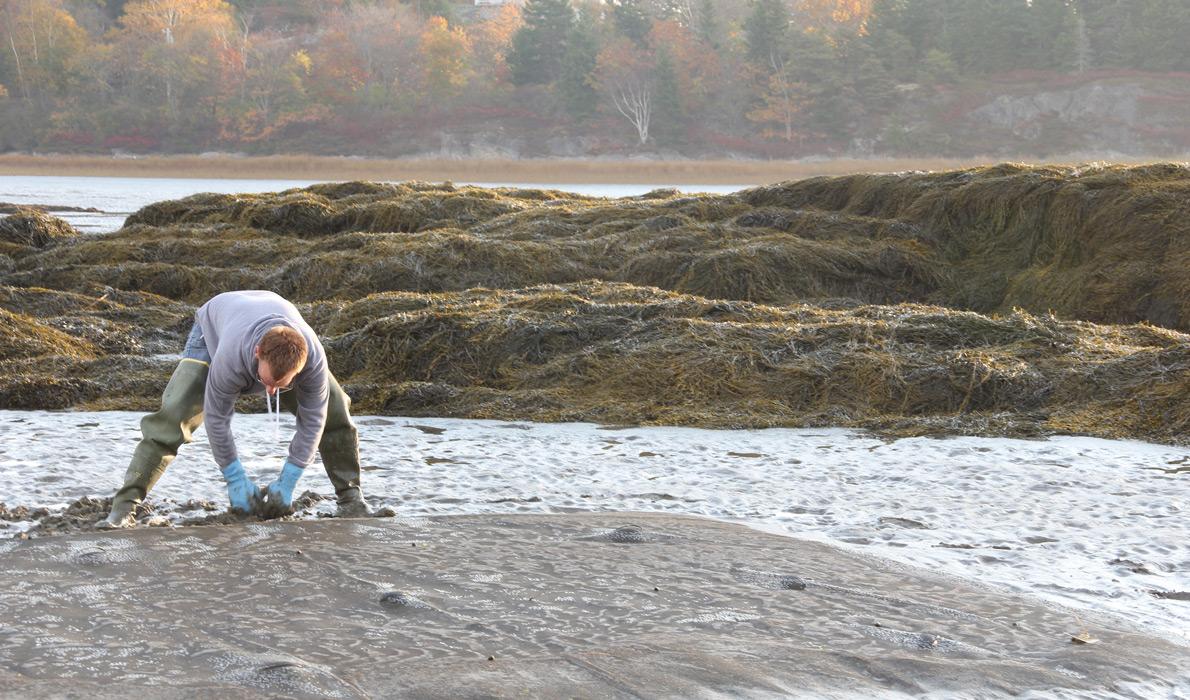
(83, 514)
(529, 605)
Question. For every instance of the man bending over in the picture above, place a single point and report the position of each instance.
(246, 343)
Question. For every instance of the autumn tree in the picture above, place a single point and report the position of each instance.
(42, 47)
(368, 57)
(780, 100)
(851, 15)
(444, 51)
(273, 91)
(696, 65)
(490, 42)
(169, 49)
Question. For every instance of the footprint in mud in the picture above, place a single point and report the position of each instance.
(627, 534)
(765, 579)
(924, 641)
(1171, 595)
(284, 675)
(1135, 567)
(1039, 539)
(428, 429)
(920, 610)
(903, 522)
(396, 600)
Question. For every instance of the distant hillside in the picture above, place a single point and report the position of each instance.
(571, 78)
(1043, 115)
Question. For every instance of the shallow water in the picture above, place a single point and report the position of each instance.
(117, 197)
(1088, 523)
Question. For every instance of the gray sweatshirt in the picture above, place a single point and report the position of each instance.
(232, 325)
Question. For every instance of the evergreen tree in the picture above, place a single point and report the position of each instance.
(1083, 58)
(765, 32)
(707, 23)
(1107, 23)
(669, 119)
(817, 66)
(1160, 36)
(888, 43)
(535, 56)
(578, 64)
(991, 37)
(1052, 44)
(631, 20)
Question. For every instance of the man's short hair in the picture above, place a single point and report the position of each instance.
(284, 349)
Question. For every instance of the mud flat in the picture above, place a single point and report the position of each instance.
(608, 605)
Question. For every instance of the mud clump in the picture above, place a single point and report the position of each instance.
(79, 515)
(628, 534)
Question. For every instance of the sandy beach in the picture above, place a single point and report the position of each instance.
(574, 605)
(495, 170)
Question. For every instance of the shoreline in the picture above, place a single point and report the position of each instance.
(525, 171)
(1100, 557)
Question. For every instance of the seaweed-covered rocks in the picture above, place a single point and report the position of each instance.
(32, 228)
(912, 303)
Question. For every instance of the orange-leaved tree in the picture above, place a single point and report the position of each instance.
(847, 14)
(780, 99)
(444, 51)
(43, 46)
(490, 42)
(367, 56)
(169, 51)
(696, 64)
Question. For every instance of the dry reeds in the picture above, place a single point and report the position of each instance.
(495, 170)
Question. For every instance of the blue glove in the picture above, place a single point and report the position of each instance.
(279, 494)
(242, 493)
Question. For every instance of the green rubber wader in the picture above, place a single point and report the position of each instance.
(163, 432)
(339, 446)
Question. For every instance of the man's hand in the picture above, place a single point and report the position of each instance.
(278, 497)
(242, 493)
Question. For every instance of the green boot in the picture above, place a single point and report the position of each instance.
(162, 433)
(339, 448)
